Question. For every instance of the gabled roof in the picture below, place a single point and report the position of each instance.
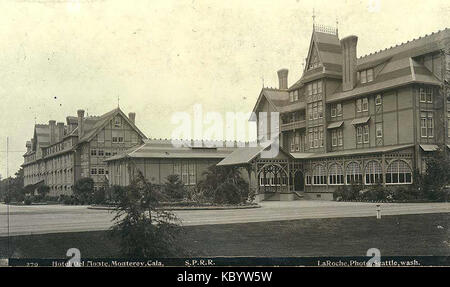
(276, 98)
(92, 125)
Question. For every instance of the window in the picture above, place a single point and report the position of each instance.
(316, 138)
(366, 76)
(321, 136)
(339, 110)
(308, 178)
(101, 171)
(291, 96)
(315, 113)
(373, 172)
(117, 122)
(185, 173)
(426, 124)
(426, 94)
(398, 172)
(365, 105)
(320, 109)
(311, 138)
(336, 176)
(366, 133)
(359, 134)
(369, 75)
(358, 105)
(319, 175)
(115, 139)
(120, 139)
(333, 111)
(378, 100)
(297, 141)
(379, 130)
(310, 112)
(296, 95)
(177, 168)
(448, 124)
(93, 171)
(336, 110)
(192, 173)
(336, 137)
(101, 152)
(93, 152)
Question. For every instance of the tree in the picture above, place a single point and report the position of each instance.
(174, 187)
(84, 189)
(143, 227)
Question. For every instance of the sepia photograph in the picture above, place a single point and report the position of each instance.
(292, 133)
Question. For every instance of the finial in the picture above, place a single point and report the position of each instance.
(314, 17)
(118, 101)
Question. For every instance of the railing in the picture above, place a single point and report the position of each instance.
(293, 125)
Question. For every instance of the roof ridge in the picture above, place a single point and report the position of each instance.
(403, 43)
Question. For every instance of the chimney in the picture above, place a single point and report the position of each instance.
(51, 124)
(80, 114)
(132, 117)
(28, 145)
(60, 128)
(283, 79)
(348, 46)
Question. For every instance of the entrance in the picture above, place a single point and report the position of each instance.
(299, 181)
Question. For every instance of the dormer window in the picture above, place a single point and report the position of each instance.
(365, 76)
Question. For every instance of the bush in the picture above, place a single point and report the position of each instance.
(84, 190)
(174, 187)
(99, 196)
(227, 193)
(28, 200)
(347, 193)
(374, 193)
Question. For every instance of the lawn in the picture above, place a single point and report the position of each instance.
(424, 234)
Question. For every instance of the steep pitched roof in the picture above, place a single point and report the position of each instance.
(92, 125)
(277, 98)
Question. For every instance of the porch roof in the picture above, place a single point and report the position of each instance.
(335, 125)
(360, 121)
(429, 147)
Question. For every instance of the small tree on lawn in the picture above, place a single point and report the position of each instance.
(144, 229)
(174, 187)
(84, 189)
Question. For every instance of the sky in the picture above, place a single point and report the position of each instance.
(157, 58)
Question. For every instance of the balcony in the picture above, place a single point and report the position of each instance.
(293, 125)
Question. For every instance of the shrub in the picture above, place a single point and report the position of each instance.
(28, 200)
(83, 190)
(227, 193)
(347, 193)
(174, 187)
(99, 196)
(374, 193)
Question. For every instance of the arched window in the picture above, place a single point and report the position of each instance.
(398, 172)
(373, 172)
(319, 175)
(353, 172)
(336, 175)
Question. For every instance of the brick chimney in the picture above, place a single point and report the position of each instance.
(132, 117)
(283, 79)
(60, 129)
(348, 46)
(28, 145)
(52, 125)
(80, 114)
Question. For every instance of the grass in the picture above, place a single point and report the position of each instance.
(406, 235)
